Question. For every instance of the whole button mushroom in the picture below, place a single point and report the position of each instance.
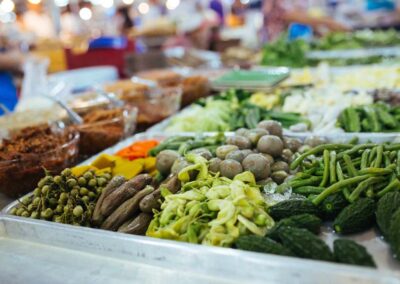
(230, 168)
(255, 134)
(258, 165)
(240, 141)
(272, 126)
(270, 144)
(224, 150)
(237, 155)
(214, 165)
(292, 143)
(165, 160)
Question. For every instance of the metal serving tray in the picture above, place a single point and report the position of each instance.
(392, 51)
(36, 251)
(336, 137)
(41, 246)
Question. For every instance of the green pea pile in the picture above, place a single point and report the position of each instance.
(64, 198)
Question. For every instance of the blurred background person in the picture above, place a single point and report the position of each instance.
(71, 24)
(369, 13)
(35, 20)
(123, 20)
(279, 14)
(218, 8)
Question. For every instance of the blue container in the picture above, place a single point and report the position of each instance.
(300, 31)
(108, 42)
(8, 92)
(386, 5)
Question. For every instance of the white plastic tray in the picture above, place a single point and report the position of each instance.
(195, 263)
(336, 137)
(33, 251)
(355, 53)
(346, 137)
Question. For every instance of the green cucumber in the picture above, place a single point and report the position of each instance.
(261, 244)
(349, 252)
(386, 207)
(394, 234)
(356, 217)
(304, 221)
(333, 205)
(291, 207)
(305, 244)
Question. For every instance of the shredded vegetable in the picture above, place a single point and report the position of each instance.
(210, 209)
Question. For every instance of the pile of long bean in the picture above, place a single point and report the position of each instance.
(369, 170)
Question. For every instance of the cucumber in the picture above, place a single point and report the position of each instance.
(261, 244)
(305, 221)
(387, 205)
(291, 207)
(356, 217)
(305, 244)
(349, 252)
(332, 206)
(394, 234)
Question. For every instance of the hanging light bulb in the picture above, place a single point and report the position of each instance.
(172, 4)
(128, 2)
(107, 3)
(61, 3)
(85, 14)
(35, 2)
(96, 2)
(7, 6)
(143, 8)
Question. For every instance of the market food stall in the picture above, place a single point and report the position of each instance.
(278, 165)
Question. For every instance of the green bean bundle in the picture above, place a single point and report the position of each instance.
(365, 170)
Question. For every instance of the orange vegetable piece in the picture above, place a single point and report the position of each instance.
(139, 149)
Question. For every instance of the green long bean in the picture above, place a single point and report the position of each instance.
(386, 159)
(364, 158)
(394, 184)
(392, 147)
(317, 150)
(332, 167)
(325, 176)
(370, 192)
(378, 171)
(355, 149)
(350, 167)
(379, 155)
(303, 182)
(362, 186)
(393, 155)
(308, 189)
(337, 187)
(340, 176)
(372, 156)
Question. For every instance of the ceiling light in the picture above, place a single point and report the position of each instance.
(85, 14)
(107, 3)
(7, 6)
(143, 8)
(61, 3)
(172, 4)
